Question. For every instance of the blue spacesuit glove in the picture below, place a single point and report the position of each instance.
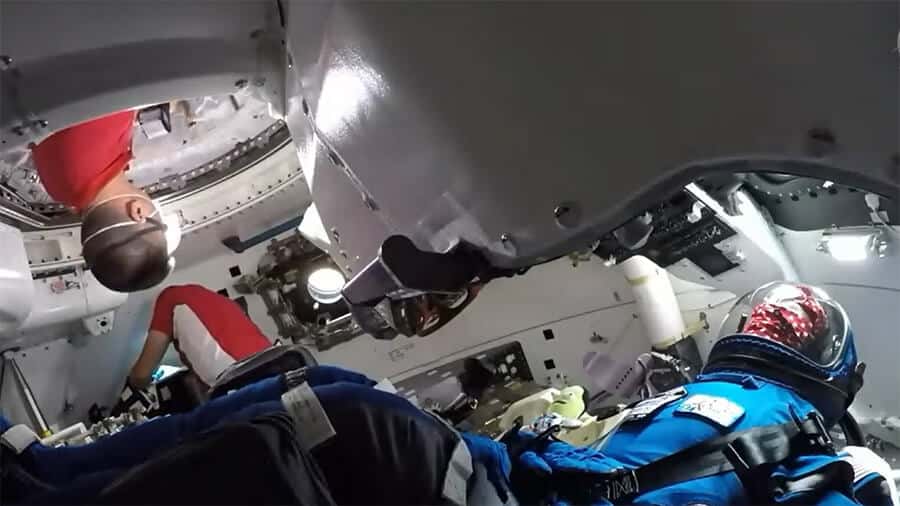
(550, 471)
(495, 459)
(813, 479)
(320, 375)
(564, 458)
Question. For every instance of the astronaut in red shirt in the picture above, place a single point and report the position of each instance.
(123, 234)
(210, 332)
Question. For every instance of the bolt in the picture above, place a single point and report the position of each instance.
(567, 214)
(505, 238)
(6, 60)
(240, 83)
(43, 123)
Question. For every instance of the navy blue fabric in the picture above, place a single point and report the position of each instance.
(406, 451)
(82, 469)
(495, 459)
(136, 444)
(328, 374)
(830, 404)
(668, 431)
(386, 451)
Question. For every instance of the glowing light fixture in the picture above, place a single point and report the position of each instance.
(325, 285)
(173, 232)
(854, 245)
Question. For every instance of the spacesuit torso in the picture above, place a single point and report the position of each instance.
(751, 429)
(670, 423)
(707, 409)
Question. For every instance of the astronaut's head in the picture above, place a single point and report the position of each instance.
(796, 335)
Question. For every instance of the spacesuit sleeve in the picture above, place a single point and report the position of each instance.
(872, 477)
(163, 310)
(136, 444)
(828, 480)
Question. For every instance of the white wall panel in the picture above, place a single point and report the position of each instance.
(869, 290)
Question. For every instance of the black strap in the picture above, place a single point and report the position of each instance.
(746, 453)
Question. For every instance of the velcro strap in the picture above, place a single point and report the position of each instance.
(295, 378)
(18, 437)
(313, 425)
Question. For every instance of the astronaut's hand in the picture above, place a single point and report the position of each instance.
(140, 400)
(495, 459)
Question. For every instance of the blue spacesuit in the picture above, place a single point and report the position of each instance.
(403, 455)
(751, 429)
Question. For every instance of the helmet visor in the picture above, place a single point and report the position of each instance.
(800, 317)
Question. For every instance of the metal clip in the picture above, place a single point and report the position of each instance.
(621, 484)
(817, 436)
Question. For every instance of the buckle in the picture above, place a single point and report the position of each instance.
(816, 434)
(617, 485)
(516, 446)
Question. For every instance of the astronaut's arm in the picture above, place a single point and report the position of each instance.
(155, 347)
(872, 477)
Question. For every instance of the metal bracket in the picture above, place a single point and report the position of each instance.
(235, 244)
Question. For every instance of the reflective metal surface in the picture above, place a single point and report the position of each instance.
(477, 122)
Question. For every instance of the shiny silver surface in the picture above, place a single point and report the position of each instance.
(72, 61)
(475, 121)
(34, 411)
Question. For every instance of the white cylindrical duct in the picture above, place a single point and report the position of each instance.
(656, 303)
(67, 433)
(70, 297)
(16, 286)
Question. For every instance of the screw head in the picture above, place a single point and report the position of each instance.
(567, 214)
(508, 243)
(6, 60)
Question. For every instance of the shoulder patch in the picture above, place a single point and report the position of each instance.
(718, 410)
(648, 407)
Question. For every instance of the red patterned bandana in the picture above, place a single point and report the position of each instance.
(791, 323)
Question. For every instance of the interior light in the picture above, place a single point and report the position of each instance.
(846, 247)
(173, 232)
(325, 285)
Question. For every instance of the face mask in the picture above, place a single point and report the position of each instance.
(170, 224)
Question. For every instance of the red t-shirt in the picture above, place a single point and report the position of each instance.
(75, 163)
(222, 317)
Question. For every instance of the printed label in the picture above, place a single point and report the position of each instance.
(650, 406)
(718, 410)
(313, 425)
